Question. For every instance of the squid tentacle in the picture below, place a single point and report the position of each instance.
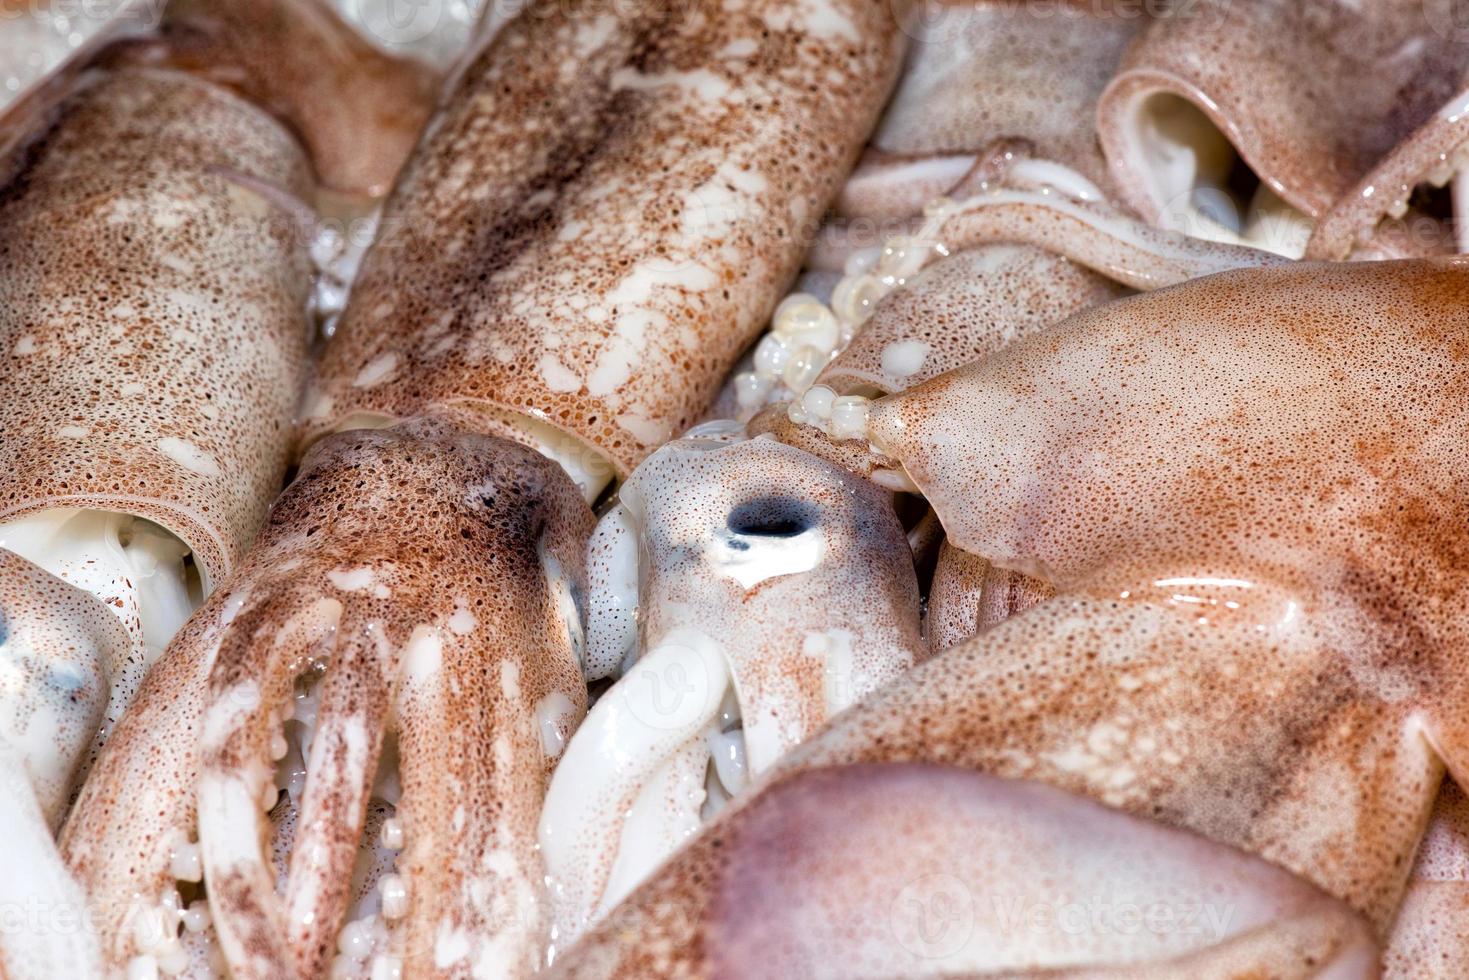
(774, 592)
(391, 632)
(1035, 203)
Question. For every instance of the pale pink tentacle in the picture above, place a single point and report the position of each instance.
(1435, 154)
(969, 595)
(774, 592)
(927, 871)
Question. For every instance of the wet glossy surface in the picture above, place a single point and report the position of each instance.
(1077, 590)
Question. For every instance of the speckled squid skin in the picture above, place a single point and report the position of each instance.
(767, 577)
(918, 870)
(60, 652)
(1273, 531)
(982, 75)
(606, 211)
(1430, 938)
(1249, 492)
(959, 309)
(969, 595)
(153, 294)
(60, 649)
(414, 567)
(357, 109)
(1378, 70)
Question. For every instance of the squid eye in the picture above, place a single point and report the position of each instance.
(772, 517)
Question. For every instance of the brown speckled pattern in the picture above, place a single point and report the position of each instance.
(606, 212)
(984, 73)
(385, 539)
(969, 595)
(1430, 939)
(357, 109)
(59, 649)
(1311, 94)
(923, 871)
(960, 309)
(152, 309)
(1247, 490)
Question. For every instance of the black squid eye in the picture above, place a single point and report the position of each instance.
(772, 517)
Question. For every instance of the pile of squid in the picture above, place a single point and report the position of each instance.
(734, 488)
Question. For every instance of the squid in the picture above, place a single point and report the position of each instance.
(588, 289)
(946, 296)
(1213, 126)
(769, 591)
(918, 869)
(458, 332)
(1268, 534)
(962, 307)
(1050, 217)
(59, 651)
(154, 293)
(156, 283)
(984, 81)
(402, 643)
(158, 236)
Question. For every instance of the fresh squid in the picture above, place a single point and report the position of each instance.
(1050, 216)
(156, 284)
(1215, 126)
(402, 643)
(984, 80)
(588, 289)
(454, 319)
(916, 870)
(156, 290)
(153, 313)
(1244, 490)
(1180, 699)
(59, 651)
(769, 591)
